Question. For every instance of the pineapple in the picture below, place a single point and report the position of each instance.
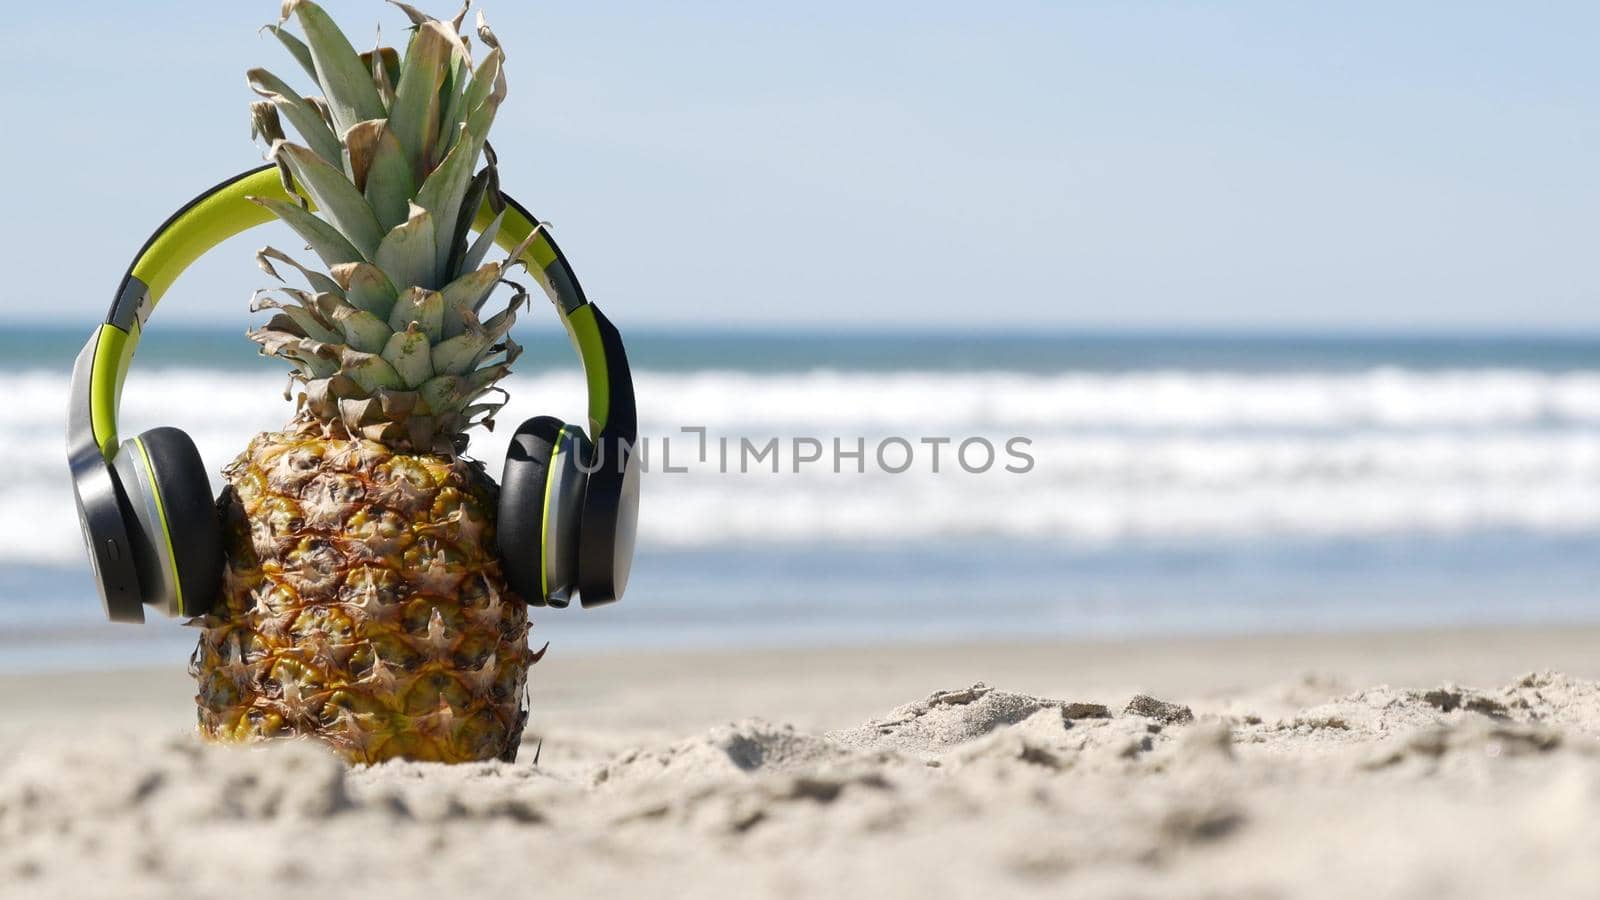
(362, 603)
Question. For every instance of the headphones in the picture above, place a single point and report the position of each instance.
(568, 506)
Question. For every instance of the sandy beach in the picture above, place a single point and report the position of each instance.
(1419, 764)
(1070, 450)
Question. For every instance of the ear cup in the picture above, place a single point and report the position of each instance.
(610, 522)
(541, 507)
(519, 529)
(182, 536)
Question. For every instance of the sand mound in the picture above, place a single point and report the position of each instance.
(746, 747)
(1445, 791)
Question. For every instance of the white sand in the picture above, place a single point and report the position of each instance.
(1247, 777)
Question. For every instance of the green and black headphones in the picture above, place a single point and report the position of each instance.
(568, 506)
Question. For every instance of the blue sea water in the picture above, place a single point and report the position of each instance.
(1212, 483)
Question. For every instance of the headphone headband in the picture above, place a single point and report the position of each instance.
(226, 210)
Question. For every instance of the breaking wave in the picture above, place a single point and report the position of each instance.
(1118, 456)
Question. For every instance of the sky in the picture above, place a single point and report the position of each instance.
(1006, 165)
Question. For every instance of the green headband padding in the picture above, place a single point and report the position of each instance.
(208, 222)
(227, 211)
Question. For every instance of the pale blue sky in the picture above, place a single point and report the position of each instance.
(1153, 165)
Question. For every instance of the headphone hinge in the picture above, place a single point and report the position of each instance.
(132, 303)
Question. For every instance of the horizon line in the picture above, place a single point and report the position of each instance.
(880, 329)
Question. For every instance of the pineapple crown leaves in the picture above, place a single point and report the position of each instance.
(391, 341)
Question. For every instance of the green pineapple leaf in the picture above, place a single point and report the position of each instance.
(414, 118)
(455, 91)
(384, 64)
(366, 287)
(487, 83)
(369, 370)
(334, 196)
(485, 242)
(361, 329)
(319, 282)
(322, 238)
(471, 202)
(314, 358)
(465, 295)
(346, 83)
(420, 307)
(381, 172)
(298, 318)
(296, 48)
(300, 113)
(418, 17)
(442, 194)
(407, 252)
(407, 352)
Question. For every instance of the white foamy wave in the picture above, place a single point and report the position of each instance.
(1117, 456)
(919, 400)
(1108, 488)
(926, 401)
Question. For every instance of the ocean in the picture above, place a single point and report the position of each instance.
(1085, 485)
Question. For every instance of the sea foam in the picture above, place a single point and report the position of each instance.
(1117, 456)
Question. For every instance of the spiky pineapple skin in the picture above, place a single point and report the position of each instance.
(362, 605)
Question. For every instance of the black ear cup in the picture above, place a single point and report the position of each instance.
(519, 529)
(610, 521)
(611, 501)
(193, 531)
(541, 507)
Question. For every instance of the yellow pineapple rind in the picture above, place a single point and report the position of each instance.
(362, 605)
